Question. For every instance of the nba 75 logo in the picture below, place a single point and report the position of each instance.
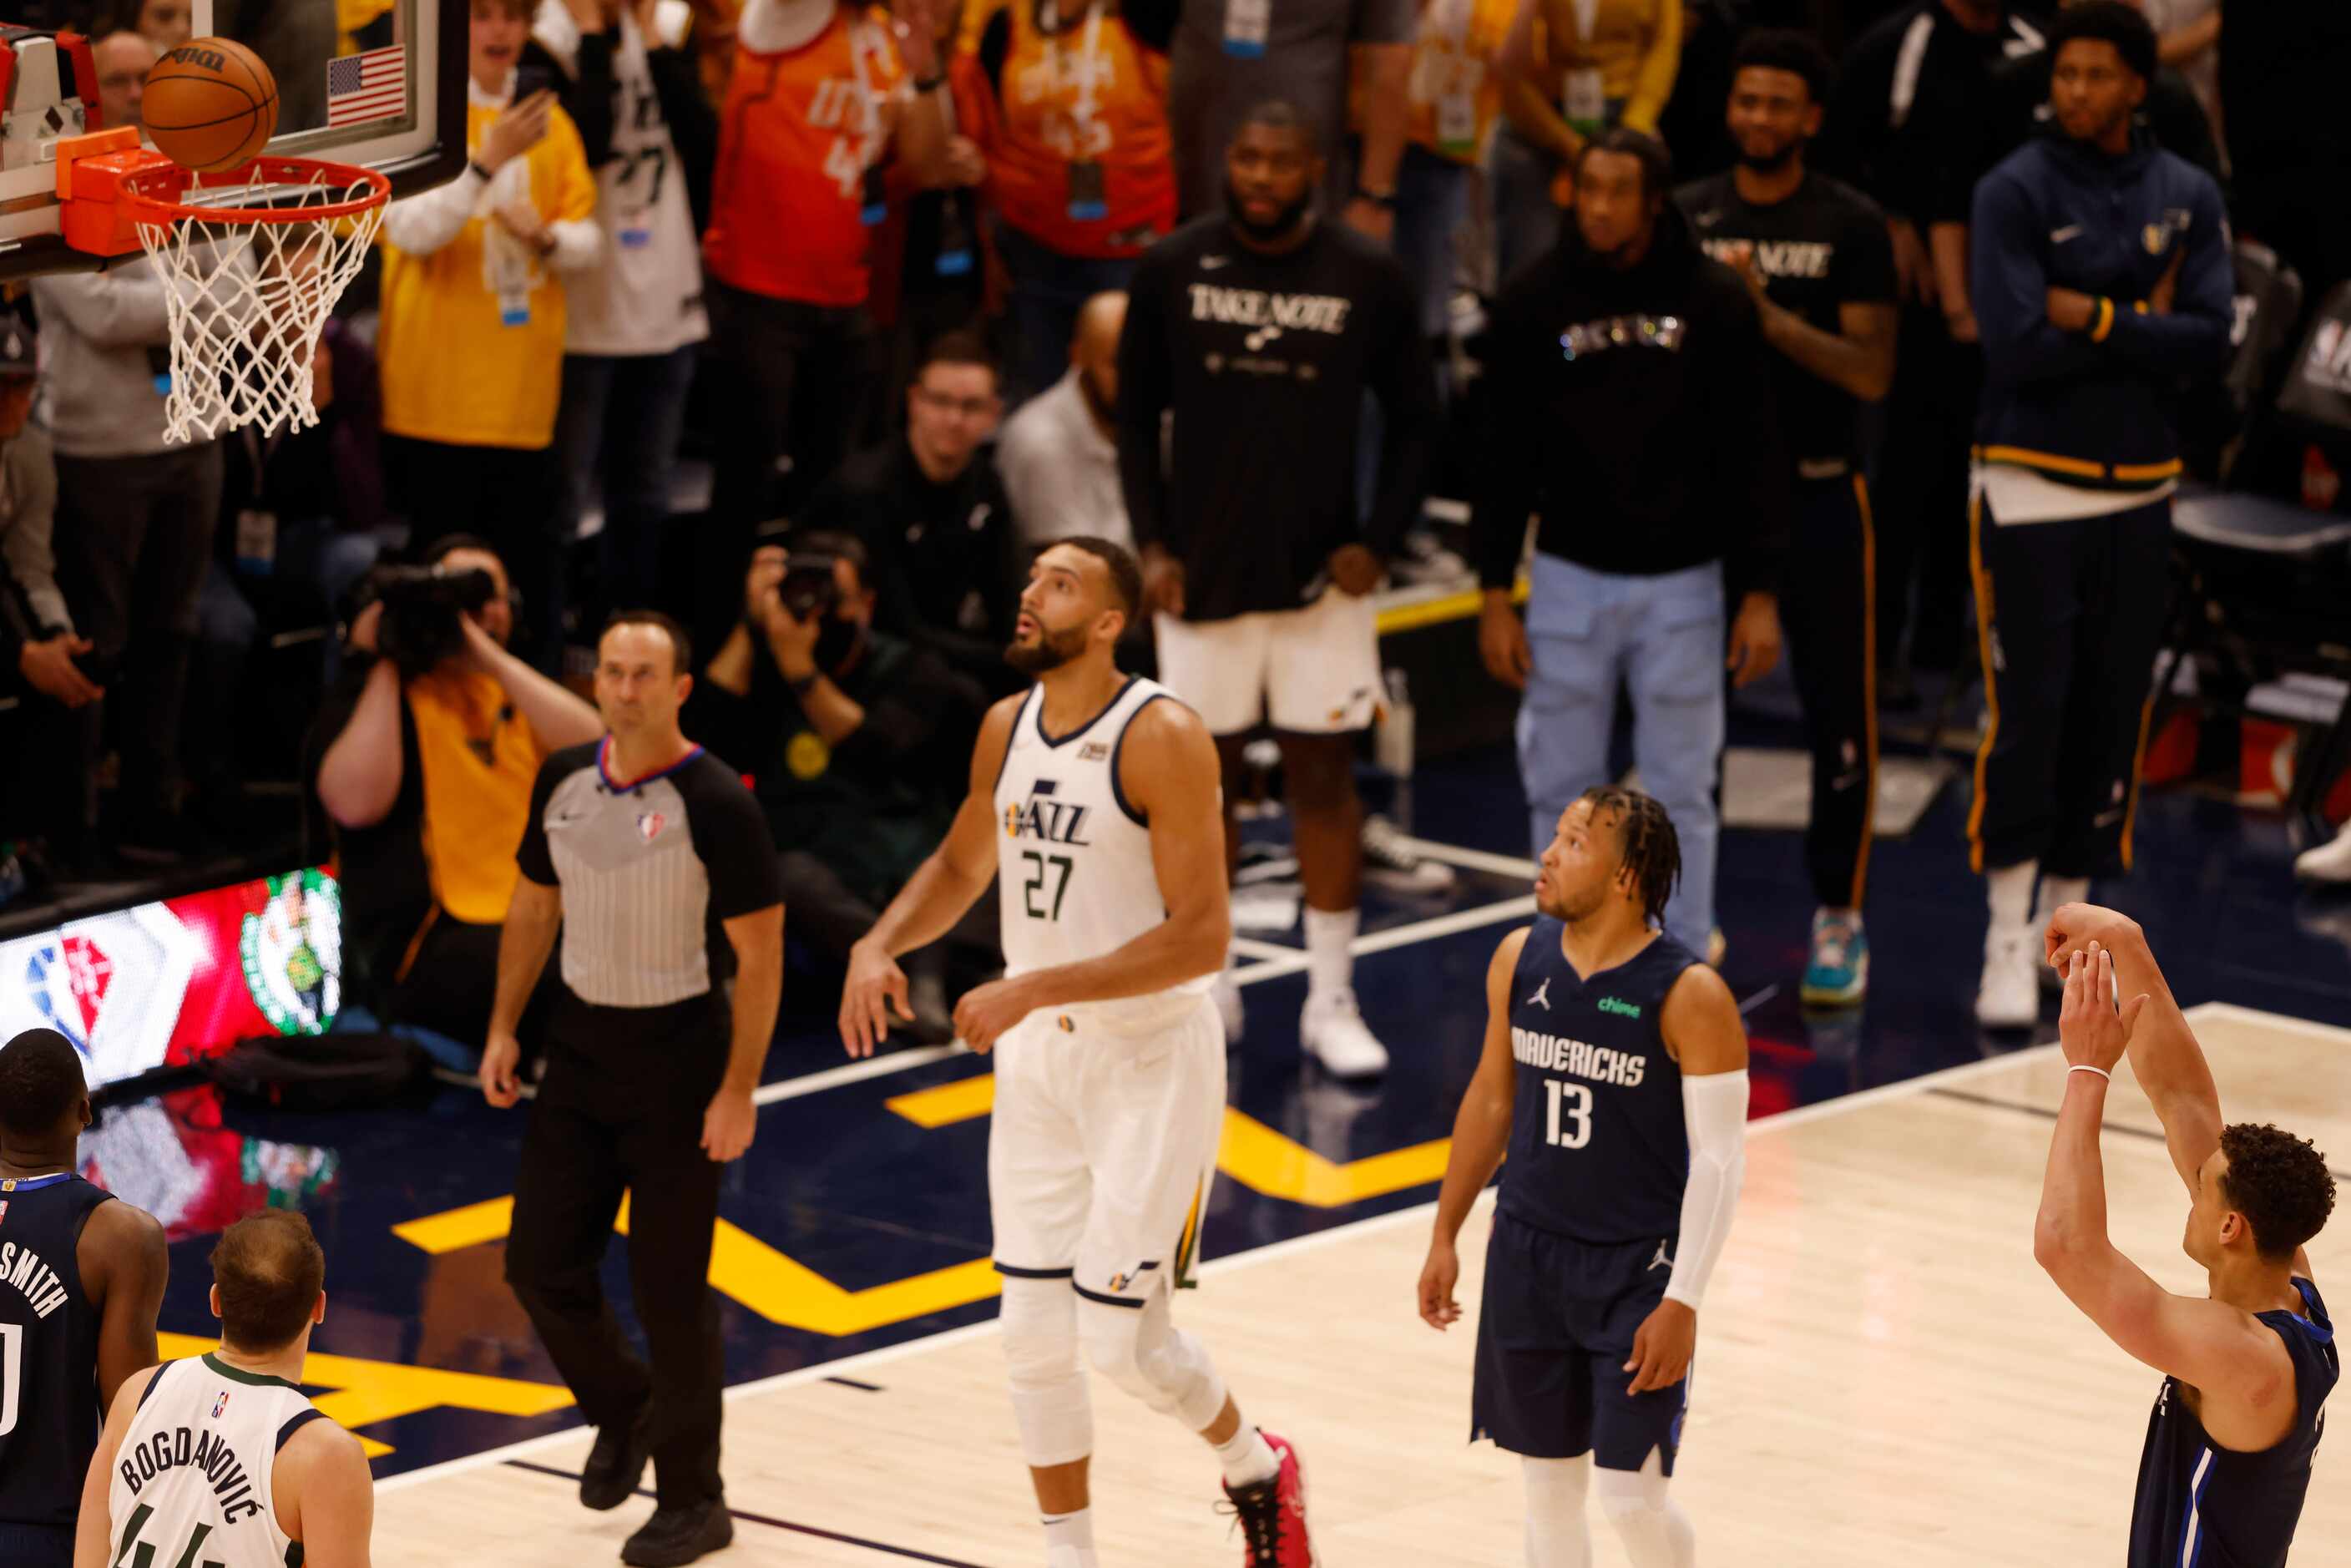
(1042, 816)
(220, 1404)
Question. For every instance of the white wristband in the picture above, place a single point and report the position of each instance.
(2086, 1067)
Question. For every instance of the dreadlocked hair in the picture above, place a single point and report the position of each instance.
(1653, 851)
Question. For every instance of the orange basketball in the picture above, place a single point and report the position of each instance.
(211, 104)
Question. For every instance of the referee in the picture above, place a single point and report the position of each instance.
(638, 845)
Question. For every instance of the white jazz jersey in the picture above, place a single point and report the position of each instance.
(193, 1479)
(1073, 864)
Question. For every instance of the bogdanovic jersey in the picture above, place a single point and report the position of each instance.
(192, 1480)
(1073, 865)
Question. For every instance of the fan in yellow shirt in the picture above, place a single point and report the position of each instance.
(471, 340)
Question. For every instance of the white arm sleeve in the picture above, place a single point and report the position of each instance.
(422, 224)
(1715, 1108)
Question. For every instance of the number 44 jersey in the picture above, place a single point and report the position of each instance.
(1073, 860)
(1599, 1151)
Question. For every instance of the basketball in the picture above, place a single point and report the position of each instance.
(211, 104)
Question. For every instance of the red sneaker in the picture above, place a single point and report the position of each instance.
(1272, 1514)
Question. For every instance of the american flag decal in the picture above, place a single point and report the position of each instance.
(372, 86)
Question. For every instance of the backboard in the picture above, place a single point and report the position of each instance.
(376, 82)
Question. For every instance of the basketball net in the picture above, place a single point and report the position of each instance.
(249, 288)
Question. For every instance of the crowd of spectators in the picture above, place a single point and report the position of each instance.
(889, 276)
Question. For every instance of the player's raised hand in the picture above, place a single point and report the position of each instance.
(876, 983)
(1439, 1310)
(1662, 1347)
(2076, 925)
(2090, 1029)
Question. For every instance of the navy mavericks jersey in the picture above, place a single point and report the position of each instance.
(48, 1349)
(2200, 1505)
(1599, 1151)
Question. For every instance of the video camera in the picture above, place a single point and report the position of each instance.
(420, 626)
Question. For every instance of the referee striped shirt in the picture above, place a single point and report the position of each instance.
(649, 868)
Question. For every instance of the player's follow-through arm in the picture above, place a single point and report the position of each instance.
(1168, 769)
(943, 887)
(2164, 1054)
(2205, 1344)
(1482, 1134)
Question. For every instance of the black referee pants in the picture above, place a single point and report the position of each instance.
(620, 1112)
(1828, 606)
(2071, 615)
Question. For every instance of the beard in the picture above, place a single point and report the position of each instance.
(1769, 163)
(1284, 223)
(1050, 651)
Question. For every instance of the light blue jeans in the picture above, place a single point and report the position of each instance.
(1662, 639)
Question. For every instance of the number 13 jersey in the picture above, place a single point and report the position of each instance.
(1599, 1151)
(1074, 871)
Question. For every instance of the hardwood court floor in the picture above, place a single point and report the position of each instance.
(1883, 1376)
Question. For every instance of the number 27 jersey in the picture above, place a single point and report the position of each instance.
(1074, 873)
(1599, 1150)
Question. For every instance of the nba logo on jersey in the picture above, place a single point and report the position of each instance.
(4, 1211)
(220, 1404)
(650, 824)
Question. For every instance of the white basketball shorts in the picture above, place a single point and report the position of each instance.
(1102, 1149)
(1315, 671)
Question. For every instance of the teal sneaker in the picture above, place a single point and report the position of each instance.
(1838, 974)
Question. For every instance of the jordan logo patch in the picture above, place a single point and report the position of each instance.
(1660, 1261)
(1543, 994)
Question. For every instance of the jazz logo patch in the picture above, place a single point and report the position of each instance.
(220, 1404)
(650, 824)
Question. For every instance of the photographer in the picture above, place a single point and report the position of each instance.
(930, 508)
(43, 664)
(432, 740)
(857, 743)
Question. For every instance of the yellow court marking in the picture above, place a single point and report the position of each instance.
(948, 1104)
(785, 1290)
(1250, 1153)
(776, 1286)
(367, 1391)
(455, 1228)
(787, 1293)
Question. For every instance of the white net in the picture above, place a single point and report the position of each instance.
(247, 296)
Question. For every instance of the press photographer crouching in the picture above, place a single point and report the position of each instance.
(857, 743)
(425, 754)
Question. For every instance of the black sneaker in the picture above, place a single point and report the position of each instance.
(617, 1463)
(674, 1537)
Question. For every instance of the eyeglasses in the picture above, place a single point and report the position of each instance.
(969, 407)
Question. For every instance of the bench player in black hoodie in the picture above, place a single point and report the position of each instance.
(1631, 408)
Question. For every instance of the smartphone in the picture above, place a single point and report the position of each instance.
(531, 78)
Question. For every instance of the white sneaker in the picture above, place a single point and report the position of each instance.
(1331, 1029)
(1226, 994)
(1391, 863)
(2009, 994)
(2330, 862)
